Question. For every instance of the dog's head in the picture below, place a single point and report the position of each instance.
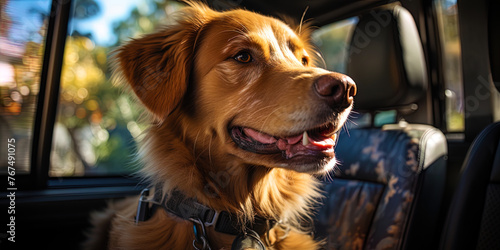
(242, 86)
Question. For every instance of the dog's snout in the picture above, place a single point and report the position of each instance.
(337, 90)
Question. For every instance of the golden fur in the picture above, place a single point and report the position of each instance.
(187, 76)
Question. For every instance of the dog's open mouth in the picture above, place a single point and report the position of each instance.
(315, 142)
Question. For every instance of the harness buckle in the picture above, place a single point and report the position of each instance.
(208, 222)
(200, 239)
(143, 212)
(214, 220)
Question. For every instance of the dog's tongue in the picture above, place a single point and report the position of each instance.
(260, 137)
(302, 144)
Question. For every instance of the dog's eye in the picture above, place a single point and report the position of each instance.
(305, 61)
(243, 57)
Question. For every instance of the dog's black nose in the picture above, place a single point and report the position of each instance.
(336, 89)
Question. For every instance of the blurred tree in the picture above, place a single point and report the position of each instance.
(99, 118)
(22, 38)
(93, 110)
(84, 9)
(5, 20)
(145, 18)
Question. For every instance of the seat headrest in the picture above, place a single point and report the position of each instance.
(386, 60)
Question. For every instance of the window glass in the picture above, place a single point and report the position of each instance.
(333, 42)
(447, 17)
(23, 27)
(97, 123)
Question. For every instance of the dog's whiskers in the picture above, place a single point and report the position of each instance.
(252, 115)
(243, 28)
(241, 34)
(320, 56)
(269, 116)
(330, 175)
(302, 20)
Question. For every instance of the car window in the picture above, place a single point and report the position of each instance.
(333, 42)
(447, 17)
(97, 123)
(23, 31)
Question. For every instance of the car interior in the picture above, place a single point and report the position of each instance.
(418, 161)
(391, 176)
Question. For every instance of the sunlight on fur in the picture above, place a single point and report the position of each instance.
(241, 120)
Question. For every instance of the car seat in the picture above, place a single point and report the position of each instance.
(386, 192)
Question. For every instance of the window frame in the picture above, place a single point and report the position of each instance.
(49, 92)
(45, 115)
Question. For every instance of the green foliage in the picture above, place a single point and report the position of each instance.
(93, 110)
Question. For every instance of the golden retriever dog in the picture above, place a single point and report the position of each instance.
(242, 125)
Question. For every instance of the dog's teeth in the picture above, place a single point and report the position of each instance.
(334, 137)
(305, 139)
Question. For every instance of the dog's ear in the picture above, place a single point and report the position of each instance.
(157, 66)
